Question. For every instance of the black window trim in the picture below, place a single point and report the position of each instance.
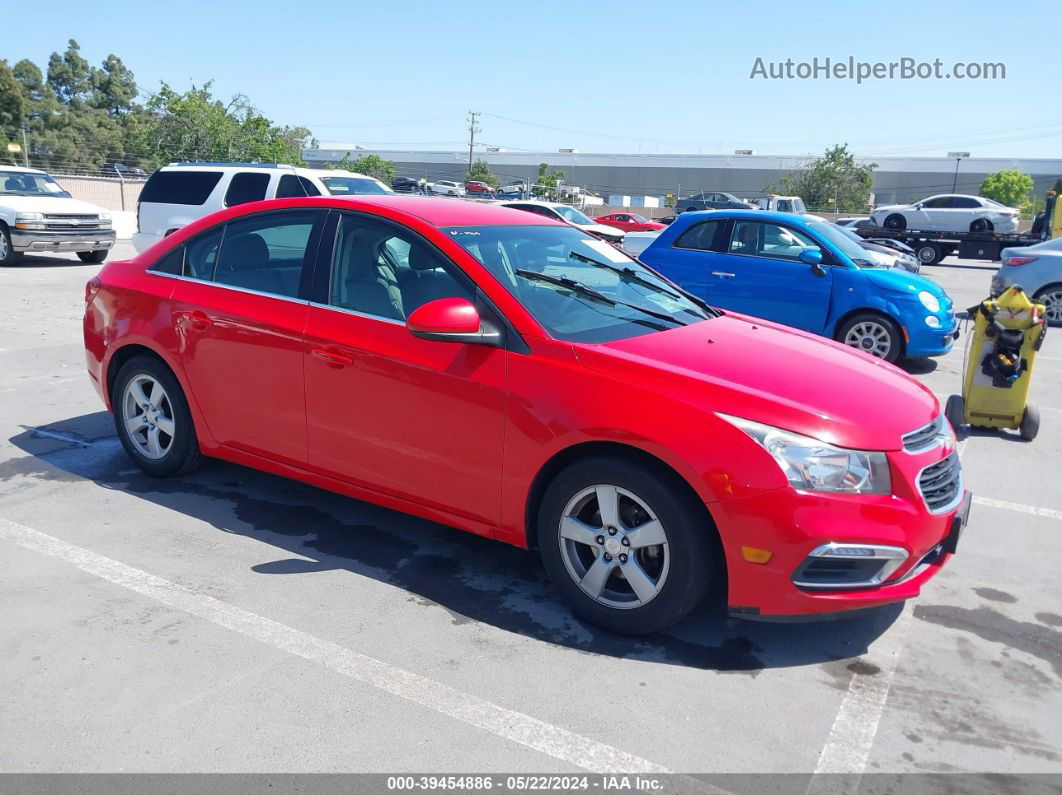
(320, 291)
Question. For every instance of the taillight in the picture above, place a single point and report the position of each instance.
(92, 286)
(1019, 260)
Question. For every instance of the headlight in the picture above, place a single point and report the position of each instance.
(817, 466)
(929, 301)
(29, 221)
(105, 219)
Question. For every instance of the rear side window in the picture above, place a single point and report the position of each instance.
(202, 255)
(246, 187)
(179, 187)
(266, 254)
(700, 236)
(965, 202)
(172, 263)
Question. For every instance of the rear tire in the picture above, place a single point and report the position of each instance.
(895, 221)
(1030, 423)
(152, 418)
(622, 581)
(8, 255)
(874, 334)
(94, 257)
(981, 225)
(954, 410)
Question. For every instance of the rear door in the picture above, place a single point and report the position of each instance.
(690, 261)
(413, 418)
(240, 310)
(760, 274)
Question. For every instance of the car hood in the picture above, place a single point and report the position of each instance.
(775, 375)
(601, 229)
(49, 204)
(901, 281)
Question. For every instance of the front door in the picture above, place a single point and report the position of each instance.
(240, 313)
(760, 274)
(418, 419)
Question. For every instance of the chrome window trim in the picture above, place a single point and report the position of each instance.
(344, 310)
(895, 557)
(960, 492)
(234, 288)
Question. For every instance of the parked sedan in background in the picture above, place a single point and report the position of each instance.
(949, 213)
(407, 185)
(446, 187)
(711, 201)
(475, 187)
(516, 378)
(569, 215)
(629, 222)
(804, 272)
(1038, 270)
(882, 255)
(856, 222)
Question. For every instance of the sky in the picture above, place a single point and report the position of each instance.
(617, 76)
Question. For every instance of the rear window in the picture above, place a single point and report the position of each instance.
(246, 187)
(179, 187)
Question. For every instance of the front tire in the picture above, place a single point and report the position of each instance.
(94, 257)
(627, 546)
(152, 418)
(8, 255)
(896, 221)
(954, 411)
(874, 334)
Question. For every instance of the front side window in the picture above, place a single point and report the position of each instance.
(939, 203)
(578, 287)
(383, 271)
(266, 253)
(760, 239)
(294, 187)
(246, 187)
(24, 183)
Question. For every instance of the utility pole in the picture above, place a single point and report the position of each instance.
(473, 128)
(25, 148)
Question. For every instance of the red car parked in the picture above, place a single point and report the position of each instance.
(514, 377)
(629, 222)
(482, 188)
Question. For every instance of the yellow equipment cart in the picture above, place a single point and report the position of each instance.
(1008, 331)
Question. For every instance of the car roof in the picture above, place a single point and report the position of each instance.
(754, 215)
(21, 169)
(536, 202)
(436, 211)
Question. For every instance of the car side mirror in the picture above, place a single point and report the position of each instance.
(452, 320)
(813, 257)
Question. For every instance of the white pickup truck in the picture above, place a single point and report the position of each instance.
(37, 215)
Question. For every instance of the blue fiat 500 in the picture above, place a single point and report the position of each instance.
(800, 271)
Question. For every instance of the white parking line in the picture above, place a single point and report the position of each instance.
(988, 502)
(851, 738)
(516, 726)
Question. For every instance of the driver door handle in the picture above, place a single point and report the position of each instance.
(723, 274)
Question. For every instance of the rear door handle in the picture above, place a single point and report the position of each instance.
(332, 357)
(723, 274)
(200, 321)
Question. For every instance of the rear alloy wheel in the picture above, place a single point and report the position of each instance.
(95, 257)
(152, 418)
(895, 221)
(1051, 298)
(981, 225)
(873, 334)
(8, 255)
(624, 545)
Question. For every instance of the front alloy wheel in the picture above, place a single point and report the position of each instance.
(872, 334)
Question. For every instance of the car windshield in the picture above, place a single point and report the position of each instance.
(845, 240)
(992, 202)
(579, 288)
(22, 183)
(348, 186)
(571, 215)
(798, 205)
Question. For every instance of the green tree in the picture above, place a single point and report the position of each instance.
(833, 182)
(114, 87)
(69, 75)
(546, 181)
(369, 165)
(1010, 188)
(481, 172)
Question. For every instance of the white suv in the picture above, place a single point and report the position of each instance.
(180, 193)
(37, 215)
(446, 187)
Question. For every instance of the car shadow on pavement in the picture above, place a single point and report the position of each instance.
(472, 579)
(44, 261)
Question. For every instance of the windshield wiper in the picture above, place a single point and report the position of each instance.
(625, 272)
(590, 292)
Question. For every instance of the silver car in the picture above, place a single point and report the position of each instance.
(1038, 269)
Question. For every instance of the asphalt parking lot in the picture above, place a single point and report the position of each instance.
(234, 621)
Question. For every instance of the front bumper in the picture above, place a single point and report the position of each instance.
(792, 524)
(925, 341)
(42, 241)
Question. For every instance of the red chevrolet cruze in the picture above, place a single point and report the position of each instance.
(515, 377)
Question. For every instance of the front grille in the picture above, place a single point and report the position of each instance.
(925, 437)
(69, 217)
(940, 484)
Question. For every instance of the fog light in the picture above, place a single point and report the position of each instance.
(756, 555)
(932, 321)
(848, 566)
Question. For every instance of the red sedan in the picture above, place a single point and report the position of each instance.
(629, 222)
(517, 378)
(475, 186)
